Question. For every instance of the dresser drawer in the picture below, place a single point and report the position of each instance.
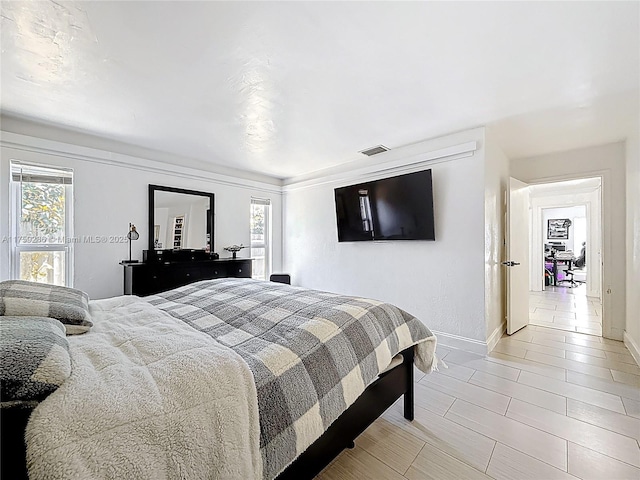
(149, 278)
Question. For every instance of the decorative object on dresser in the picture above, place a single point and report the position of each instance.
(131, 235)
(234, 249)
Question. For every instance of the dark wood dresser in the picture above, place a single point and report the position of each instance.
(146, 278)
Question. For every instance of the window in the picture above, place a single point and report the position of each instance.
(41, 224)
(260, 238)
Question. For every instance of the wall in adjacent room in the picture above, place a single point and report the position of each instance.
(607, 162)
(442, 282)
(111, 190)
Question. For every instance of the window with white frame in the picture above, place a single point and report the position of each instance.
(41, 224)
(261, 238)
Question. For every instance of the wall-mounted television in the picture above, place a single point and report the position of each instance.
(394, 208)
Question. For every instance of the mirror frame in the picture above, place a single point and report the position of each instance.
(159, 188)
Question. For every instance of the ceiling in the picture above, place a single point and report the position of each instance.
(289, 88)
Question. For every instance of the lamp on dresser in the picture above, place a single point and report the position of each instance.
(132, 235)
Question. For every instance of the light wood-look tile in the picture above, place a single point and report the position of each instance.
(570, 347)
(551, 401)
(509, 464)
(555, 336)
(574, 413)
(484, 365)
(575, 391)
(523, 334)
(590, 465)
(603, 362)
(570, 365)
(508, 349)
(555, 326)
(534, 347)
(616, 422)
(527, 365)
(628, 378)
(610, 443)
(596, 342)
(393, 446)
(632, 407)
(432, 399)
(482, 397)
(460, 442)
(605, 386)
(622, 357)
(457, 371)
(580, 322)
(434, 464)
(532, 441)
(589, 331)
(356, 464)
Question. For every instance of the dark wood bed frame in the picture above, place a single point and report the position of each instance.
(376, 398)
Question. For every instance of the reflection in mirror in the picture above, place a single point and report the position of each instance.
(180, 221)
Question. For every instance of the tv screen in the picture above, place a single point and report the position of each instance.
(395, 208)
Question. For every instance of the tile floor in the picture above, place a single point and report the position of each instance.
(545, 404)
(566, 309)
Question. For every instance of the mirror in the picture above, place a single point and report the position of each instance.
(180, 219)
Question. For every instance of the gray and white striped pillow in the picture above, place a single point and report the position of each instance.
(70, 306)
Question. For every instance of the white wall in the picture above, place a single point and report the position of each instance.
(111, 190)
(496, 180)
(441, 282)
(632, 327)
(608, 162)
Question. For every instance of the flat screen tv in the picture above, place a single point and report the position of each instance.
(395, 208)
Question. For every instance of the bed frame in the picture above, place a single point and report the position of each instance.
(376, 398)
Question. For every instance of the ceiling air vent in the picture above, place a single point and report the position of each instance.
(369, 152)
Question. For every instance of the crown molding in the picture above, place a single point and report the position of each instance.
(398, 163)
(28, 143)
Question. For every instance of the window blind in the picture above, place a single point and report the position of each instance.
(26, 173)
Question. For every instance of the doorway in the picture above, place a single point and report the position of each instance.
(565, 255)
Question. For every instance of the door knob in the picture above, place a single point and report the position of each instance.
(510, 264)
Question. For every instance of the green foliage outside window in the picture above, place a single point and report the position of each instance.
(257, 219)
(43, 210)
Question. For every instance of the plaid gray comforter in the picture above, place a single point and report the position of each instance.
(312, 353)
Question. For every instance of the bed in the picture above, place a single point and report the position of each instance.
(273, 381)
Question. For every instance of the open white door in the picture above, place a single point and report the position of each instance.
(517, 260)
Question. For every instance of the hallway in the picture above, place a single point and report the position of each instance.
(566, 309)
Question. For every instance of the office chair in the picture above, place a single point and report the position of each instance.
(581, 261)
(568, 277)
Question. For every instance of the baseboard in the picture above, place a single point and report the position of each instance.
(633, 347)
(461, 343)
(495, 337)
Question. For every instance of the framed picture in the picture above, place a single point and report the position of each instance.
(558, 228)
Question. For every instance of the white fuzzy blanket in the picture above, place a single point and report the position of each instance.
(148, 398)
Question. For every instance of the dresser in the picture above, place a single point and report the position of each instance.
(146, 278)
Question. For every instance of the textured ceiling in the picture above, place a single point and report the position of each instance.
(289, 88)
